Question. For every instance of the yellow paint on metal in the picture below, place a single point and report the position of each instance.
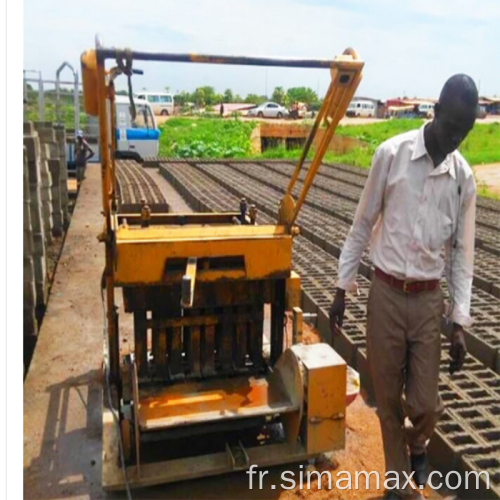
(326, 375)
(89, 81)
(143, 262)
(182, 233)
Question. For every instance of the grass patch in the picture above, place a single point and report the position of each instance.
(482, 144)
(205, 138)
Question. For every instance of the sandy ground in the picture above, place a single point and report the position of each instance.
(490, 175)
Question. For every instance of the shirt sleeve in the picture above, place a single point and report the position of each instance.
(459, 257)
(368, 210)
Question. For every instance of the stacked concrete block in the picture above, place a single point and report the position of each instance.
(63, 172)
(46, 137)
(32, 145)
(29, 290)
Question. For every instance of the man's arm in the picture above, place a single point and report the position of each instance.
(459, 258)
(368, 210)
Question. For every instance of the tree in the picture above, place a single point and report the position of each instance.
(199, 97)
(278, 95)
(228, 95)
(182, 98)
(209, 94)
(167, 89)
(237, 98)
(255, 99)
(302, 94)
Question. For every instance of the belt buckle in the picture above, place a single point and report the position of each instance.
(406, 285)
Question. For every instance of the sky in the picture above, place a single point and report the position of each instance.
(410, 47)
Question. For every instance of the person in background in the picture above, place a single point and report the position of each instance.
(83, 153)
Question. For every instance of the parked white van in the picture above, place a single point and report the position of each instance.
(426, 109)
(161, 103)
(361, 108)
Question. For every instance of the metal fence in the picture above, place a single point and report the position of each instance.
(60, 102)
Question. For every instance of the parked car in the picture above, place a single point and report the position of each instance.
(366, 109)
(161, 103)
(268, 110)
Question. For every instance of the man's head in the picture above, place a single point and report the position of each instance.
(455, 113)
(79, 135)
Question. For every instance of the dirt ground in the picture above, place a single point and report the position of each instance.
(489, 175)
(63, 392)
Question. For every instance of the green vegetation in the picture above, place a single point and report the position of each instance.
(211, 137)
(205, 138)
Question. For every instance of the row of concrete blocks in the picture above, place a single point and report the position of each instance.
(465, 449)
(445, 452)
(45, 210)
(480, 344)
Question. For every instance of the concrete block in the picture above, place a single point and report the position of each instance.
(47, 135)
(40, 267)
(29, 294)
(39, 125)
(28, 269)
(42, 293)
(30, 324)
(44, 151)
(32, 145)
(28, 244)
(28, 128)
(54, 150)
(39, 242)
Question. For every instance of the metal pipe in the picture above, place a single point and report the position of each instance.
(309, 141)
(52, 81)
(41, 100)
(58, 90)
(109, 53)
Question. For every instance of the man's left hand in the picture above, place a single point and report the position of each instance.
(458, 349)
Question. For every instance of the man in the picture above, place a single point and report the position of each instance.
(81, 149)
(418, 200)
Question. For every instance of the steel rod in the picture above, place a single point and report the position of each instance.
(108, 53)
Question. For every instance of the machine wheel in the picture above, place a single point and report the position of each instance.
(279, 115)
(126, 430)
(164, 112)
(260, 114)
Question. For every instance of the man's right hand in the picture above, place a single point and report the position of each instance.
(337, 310)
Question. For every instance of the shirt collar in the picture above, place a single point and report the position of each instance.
(419, 150)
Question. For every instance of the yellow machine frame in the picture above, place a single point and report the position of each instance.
(205, 262)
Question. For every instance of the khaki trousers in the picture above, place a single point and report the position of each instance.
(404, 350)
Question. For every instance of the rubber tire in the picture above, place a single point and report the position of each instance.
(260, 114)
(279, 115)
(164, 112)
